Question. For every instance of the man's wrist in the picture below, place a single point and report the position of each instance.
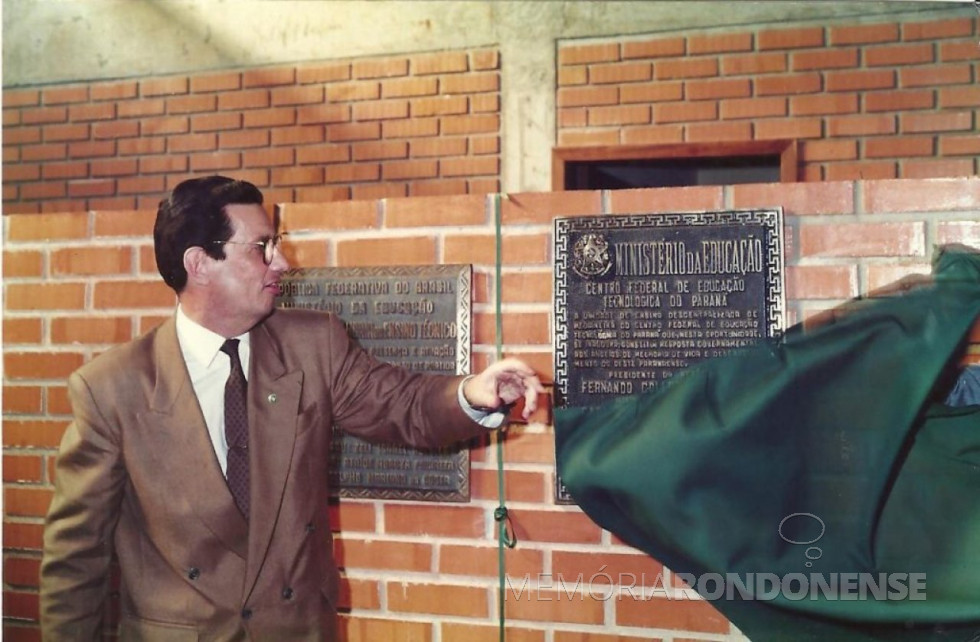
(486, 417)
(466, 398)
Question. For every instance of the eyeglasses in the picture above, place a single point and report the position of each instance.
(269, 246)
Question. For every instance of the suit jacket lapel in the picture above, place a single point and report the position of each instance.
(177, 426)
(273, 409)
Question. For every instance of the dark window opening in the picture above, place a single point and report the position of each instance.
(671, 172)
(676, 165)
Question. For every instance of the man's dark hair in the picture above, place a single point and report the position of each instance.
(194, 215)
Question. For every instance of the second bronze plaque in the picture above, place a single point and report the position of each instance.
(417, 317)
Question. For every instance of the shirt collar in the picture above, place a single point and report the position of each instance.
(201, 345)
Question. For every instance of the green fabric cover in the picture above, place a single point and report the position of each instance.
(711, 473)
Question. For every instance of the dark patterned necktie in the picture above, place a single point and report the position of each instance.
(236, 428)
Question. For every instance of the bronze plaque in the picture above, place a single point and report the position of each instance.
(638, 298)
(417, 317)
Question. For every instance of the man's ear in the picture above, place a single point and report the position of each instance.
(198, 265)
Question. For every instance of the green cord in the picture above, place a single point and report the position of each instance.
(504, 538)
(498, 278)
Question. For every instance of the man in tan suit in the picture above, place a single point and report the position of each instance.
(146, 469)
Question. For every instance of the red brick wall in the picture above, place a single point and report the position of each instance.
(78, 282)
(866, 101)
(418, 124)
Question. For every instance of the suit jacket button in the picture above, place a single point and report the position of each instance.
(273, 398)
(194, 573)
(287, 593)
(246, 614)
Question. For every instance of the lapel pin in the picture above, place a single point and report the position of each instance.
(273, 398)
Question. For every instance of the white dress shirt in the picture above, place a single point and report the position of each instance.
(208, 368)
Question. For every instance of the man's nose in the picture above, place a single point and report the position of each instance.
(279, 261)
